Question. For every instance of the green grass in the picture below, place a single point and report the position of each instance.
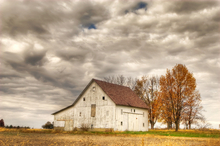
(182, 133)
(208, 134)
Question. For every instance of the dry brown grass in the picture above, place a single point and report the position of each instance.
(40, 137)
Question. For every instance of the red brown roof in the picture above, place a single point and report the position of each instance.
(121, 95)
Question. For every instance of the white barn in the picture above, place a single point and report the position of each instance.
(103, 105)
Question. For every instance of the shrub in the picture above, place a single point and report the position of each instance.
(84, 127)
(75, 129)
(48, 125)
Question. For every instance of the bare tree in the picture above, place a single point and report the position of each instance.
(121, 80)
(110, 79)
(131, 83)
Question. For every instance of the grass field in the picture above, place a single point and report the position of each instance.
(40, 137)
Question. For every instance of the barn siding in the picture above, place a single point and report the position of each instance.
(102, 107)
(81, 112)
(64, 119)
(131, 121)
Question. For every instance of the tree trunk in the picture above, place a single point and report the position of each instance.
(177, 125)
(189, 124)
(169, 125)
(152, 125)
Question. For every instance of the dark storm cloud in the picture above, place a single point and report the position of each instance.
(74, 54)
(39, 17)
(22, 17)
(9, 75)
(184, 7)
(88, 13)
(201, 26)
(34, 57)
(21, 65)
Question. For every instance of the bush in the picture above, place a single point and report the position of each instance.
(84, 127)
(75, 129)
(48, 125)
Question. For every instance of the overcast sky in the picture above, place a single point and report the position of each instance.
(50, 50)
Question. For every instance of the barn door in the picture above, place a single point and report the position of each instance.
(93, 110)
(67, 125)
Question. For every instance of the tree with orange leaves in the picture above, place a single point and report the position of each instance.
(166, 83)
(147, 90)
(176, 88)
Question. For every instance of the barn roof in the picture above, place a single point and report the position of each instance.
(120, 95)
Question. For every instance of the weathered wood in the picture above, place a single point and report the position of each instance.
(93, 110)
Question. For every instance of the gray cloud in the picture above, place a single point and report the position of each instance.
(48, 54)
(34, 57)
(183, 7)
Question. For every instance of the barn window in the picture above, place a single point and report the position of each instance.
(131, 110)
(80, 114)
(134, 110)
(103, 98)
(121, 123)
(122, 111)
(143, 124)
(93, 110)
(93, 89)
(143, 114)
(84, 99)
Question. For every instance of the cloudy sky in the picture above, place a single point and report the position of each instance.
(50, 50)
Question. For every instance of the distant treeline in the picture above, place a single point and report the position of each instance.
(17, 127)
(2, 124)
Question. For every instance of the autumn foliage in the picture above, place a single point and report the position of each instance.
(179, 96)
(147, 89)
(172, 98)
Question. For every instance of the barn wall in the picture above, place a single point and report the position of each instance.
(131, 119)
(64, 119)
(104, 109)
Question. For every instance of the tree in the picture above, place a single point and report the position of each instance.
(147, 90)
(2, 124)
(176, 88)
(48, 125)
(192, 111)
(166, 84)
(121, 80)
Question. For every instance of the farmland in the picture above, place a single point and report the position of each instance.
(41, 137)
